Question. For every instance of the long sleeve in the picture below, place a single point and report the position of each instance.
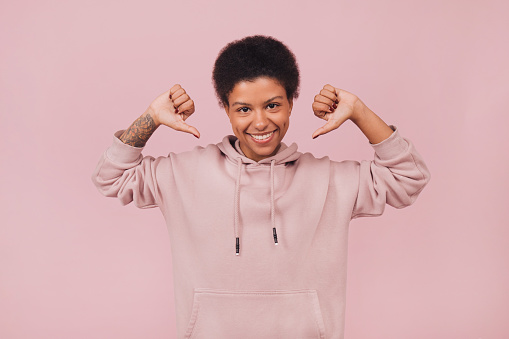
(395, 177)
(123, 172)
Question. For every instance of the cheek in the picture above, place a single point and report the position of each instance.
(238, 125)
(284, 122)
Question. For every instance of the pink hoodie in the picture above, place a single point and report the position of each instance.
(226, 213)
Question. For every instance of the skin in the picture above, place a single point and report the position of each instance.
(171, 108)
(255, 108)
(336, 106)
(258, 108)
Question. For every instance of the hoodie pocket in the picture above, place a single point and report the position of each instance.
(255, 314)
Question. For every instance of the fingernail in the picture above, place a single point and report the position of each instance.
(337, 101)
(176, 110)
(335, 106)
(330, 109)
(316, 136)
(170, 96)
(196, 136)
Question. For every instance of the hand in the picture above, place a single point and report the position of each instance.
(172, 108)
(335, 106)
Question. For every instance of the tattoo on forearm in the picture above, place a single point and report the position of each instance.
(139, 132)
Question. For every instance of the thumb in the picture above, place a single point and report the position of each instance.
(182, 126)
(329, 126)
(320, 131)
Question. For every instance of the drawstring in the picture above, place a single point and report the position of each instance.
(237, 207)
(237, 204)
(272, 208)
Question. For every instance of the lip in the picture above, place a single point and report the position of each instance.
(261, 142)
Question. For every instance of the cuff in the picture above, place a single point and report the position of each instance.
(392, 146)
(120, 152)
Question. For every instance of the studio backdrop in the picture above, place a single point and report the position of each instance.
(75, 264)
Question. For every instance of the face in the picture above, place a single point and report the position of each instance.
(259, 112)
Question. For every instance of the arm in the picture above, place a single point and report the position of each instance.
(397, 174)
(373, 127)
(336, 106)
(140, 130)
(123, 172)
(171, 108)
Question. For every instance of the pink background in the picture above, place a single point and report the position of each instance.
(74, 264)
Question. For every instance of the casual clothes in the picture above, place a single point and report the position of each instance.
(289, 215)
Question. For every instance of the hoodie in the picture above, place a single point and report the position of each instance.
(259, 249)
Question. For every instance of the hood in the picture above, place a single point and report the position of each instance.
(230, 148)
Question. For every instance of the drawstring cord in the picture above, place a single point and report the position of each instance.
(272, 207)
(237, 207)
(237, 204)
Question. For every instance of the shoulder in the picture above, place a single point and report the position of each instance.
(308, 159)
(339, 173)
(197, 153)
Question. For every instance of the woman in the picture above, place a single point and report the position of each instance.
(264, 192)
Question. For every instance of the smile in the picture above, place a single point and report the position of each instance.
(262, 137)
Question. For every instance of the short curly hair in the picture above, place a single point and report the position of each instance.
(252, 57)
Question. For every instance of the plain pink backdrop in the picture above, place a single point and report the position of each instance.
(74, 264)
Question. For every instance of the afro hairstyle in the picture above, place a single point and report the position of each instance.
(252, 57)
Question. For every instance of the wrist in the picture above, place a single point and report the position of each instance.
(153, 114)
(359, 112)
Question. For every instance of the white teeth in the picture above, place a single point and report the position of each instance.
(262, 137)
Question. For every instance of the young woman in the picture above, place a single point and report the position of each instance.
(228, 205)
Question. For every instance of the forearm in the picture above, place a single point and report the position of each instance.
(140, 130)
(373, 127)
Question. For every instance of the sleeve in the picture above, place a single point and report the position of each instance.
(123, 172)
(395, 177)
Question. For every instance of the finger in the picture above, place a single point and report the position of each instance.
(179, 100)
(180, 91)
(325, 100)
(333, 90)
(187, 108)
(182, 126)
(177, 93)
(330, 88)
(321, 110)
(329, 95)
(174, 89)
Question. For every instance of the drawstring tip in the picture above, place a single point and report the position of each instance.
(275, 235)
(237, 246)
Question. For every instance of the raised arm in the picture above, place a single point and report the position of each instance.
(122, 171)
(171, 108)
(396, 175)
(336, 106)
(140, 130)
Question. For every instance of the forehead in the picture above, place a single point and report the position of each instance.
(257, 90)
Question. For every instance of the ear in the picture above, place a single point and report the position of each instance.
(290, 101)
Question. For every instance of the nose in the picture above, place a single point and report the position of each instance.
(260, 120)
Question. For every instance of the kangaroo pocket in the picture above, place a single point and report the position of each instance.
(255, 314)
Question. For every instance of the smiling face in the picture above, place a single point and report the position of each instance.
(259, 112)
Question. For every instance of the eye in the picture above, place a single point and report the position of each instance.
(243, 109)
(272, 105)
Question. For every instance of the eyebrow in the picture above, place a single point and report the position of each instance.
(246, 104)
